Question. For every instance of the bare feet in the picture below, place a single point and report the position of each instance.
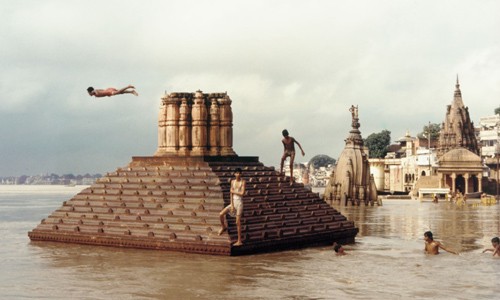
(222, 230)
(238, 243)
(135, 93)
(130, 87)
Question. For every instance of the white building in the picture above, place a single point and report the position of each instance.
(400, 170)
(489, 134)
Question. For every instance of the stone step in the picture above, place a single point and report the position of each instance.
(179, 235)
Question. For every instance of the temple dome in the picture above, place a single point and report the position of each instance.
(460, 159)
(460, 155)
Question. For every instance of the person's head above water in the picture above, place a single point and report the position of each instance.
(339, 250)
(285, 132)
(90, 89)
(428, 235)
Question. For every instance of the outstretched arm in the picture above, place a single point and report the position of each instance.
(298, 144)
(447, 250)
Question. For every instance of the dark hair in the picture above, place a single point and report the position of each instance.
(428, 234)
(495, 240)
(90, 89)
(238, 170)
(337, 247)
(284, 132)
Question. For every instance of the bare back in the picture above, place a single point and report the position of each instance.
(105, 93)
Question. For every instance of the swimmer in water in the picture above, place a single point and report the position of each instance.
(495, 242)
(432, 246)
(339, 250)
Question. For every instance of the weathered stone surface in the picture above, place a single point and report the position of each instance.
(460, 167)
(174, 203)
(351, 181)
(457, 130)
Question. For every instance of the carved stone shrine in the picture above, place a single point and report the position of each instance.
(172, 200)
(351, 182)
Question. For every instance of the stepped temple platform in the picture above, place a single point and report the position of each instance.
(172, 200)
(174, 204)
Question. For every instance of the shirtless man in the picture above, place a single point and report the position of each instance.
(111, 91)
(432, 246)
(289, 150)
(236, 192)
(495, 242)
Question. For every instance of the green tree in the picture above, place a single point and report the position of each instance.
(378, 143)
(321, 160)
(497, 111)
(433, 128)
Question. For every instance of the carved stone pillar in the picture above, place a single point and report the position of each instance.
(199, 125)
(453, 177)
(361, 194)
(339, 192)
(184, 128)
(162, 118)
(226, 127)
(172, 124)
(214, 131)
(479, 182)
(466, 179)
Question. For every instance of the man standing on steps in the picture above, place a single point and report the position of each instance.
(289, 150)
(236, 192)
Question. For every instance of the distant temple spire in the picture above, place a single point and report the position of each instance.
(457, 129)
(458, 93)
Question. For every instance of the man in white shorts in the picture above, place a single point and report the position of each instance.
(236, 193)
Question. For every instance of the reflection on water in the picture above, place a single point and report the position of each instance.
(387, 260)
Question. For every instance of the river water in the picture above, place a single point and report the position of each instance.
(386, 262)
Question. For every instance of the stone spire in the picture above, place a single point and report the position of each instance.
(457, 130)
(354, 137)
(457, 97)
(351, 181)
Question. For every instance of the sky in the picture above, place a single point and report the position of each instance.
(289, 64)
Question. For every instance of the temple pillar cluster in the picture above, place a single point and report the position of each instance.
(195, 124)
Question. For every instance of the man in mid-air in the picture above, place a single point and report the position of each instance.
(111, 91)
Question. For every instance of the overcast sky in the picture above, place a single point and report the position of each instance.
(298, 65)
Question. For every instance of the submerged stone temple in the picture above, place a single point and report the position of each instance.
(351, 182)
(460, 167)
(457, 129)
(172, 200)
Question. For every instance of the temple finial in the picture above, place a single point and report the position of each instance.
(458, 83)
